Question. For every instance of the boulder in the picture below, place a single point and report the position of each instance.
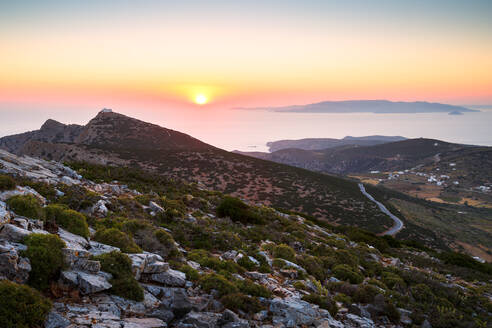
(78, 260)
(12, 266)
(20, 222)
(355, 321)
(143, 323)
(170, 277)
(172, 298)
(293, 312)
(154, 207)
(96, 248)
(147, 263)
(99, 209)
(86, 282)
(4, 213)
(92, 283)
(73, 241)
(21, 191)
(56, 320)
(13, 233)
(163, 313)
(201, 319)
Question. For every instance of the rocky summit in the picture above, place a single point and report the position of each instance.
(105, 246)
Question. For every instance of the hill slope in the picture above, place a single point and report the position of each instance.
(112, 138)
(325, 143)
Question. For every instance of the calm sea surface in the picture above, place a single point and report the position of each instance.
(250, 130)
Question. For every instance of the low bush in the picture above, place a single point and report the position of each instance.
(191, 274)
(22, 306)
(28, 206)
(323, 302)
(465, 261)
(346, 273)
(242, 302)
(393, 281)
(365, 294)
(238, 211)
(342, 298)
(203, 258)
(120, 266)
(422, 293)
(246, 263)
(70, 220)
(77, 197)
(249, 287)
(285, 252)
(117, 238)
(219, 283)
(46, 257)
(6, 182)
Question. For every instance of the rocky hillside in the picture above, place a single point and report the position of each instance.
(354, 158)
(114, 139)
(100, 246)
(325, 143)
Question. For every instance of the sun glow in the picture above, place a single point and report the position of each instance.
(201, 99)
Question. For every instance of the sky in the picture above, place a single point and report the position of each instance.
(73, 57)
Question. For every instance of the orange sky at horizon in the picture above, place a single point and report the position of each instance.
(296, 57)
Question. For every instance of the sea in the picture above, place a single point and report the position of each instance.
(250, 130)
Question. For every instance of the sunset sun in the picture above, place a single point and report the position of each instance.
(201, 99)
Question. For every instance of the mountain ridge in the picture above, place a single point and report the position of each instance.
(368, 106)
(115, 139)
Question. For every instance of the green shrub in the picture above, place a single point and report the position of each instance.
(191, 274)
(342, 298)
(46, 257)
(314, 266)
(323, 302)
(117, 238)
(70, 220)
(285, 252)
(202, 257)
(120, 266)
(28, 206)
(392, 280)
(345, 272)
(238, 211)
(77, 197)
(242, 302)
(246, 263)
(7, 182)
(365, 294)
(219, 283)
(249, 287)
(422, 293)
(22, 306)
(392, 312)
(345, 257)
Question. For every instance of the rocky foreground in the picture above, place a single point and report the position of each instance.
(284, 288)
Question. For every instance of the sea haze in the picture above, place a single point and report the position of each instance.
(250, 130)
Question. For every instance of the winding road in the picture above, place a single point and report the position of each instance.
(398, 223)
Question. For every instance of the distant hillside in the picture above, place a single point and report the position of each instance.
(324, 143)
(115, 139)
(353, 158)
(370, 106)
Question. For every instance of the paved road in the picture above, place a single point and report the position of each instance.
(398, 223)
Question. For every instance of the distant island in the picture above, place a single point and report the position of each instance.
(368, 106)
(324, 143)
